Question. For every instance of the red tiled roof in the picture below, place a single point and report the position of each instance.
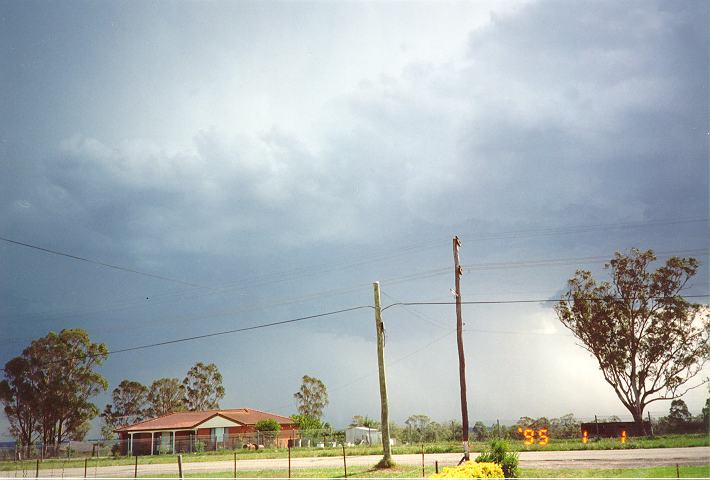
(189, 420)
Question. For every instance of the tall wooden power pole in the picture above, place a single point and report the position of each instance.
(458, 271)
(386, 461)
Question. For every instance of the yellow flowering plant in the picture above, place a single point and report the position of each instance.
(472, 470)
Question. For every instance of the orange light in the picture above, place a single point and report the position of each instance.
(623, 436)
(585, 436)
(529, 435)
(542, 437)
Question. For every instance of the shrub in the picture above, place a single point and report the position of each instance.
(268, 425)
(472, 470)
(199, 446)
(499, 454)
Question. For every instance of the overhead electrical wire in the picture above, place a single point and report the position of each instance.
(400, 279)
(324, 314)
(102, 264)
(214, 334)
(304, 271)
(539, 300)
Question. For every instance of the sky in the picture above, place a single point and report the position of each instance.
(271, 160)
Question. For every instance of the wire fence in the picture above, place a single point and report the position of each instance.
(285, 451)
(338, 461)
(183, 466)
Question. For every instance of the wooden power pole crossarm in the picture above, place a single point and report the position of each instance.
(458, 271)
(386, 461)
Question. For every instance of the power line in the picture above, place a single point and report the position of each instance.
(215, 334)
(305, 271)
(568, 261)
(390, 281)
(324, 314)
(103, 264)
(543, 300)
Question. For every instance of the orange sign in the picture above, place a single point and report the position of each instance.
(529, 436)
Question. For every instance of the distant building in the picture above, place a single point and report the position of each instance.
(614, 429)
(360, 435)
(203, 431)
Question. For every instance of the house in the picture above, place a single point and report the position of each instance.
(202, 431)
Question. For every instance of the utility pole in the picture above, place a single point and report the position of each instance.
(386, 461)
(458, 271)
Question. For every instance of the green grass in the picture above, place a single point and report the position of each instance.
(416, 472)
(667, 441)
(699, 471)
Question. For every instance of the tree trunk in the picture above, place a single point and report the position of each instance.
(638, 420)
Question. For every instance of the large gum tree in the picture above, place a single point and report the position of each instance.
(650, 341)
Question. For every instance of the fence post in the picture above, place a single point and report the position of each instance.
(677, 471)
(235, 464)
(86, 464)
(436, 466)
(289, 461)
(597, 424)
(37, 469)
(423, 475)
(135, 468)
(345, 465)
(180, 466)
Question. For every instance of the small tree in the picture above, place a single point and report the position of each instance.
(312, 397)
(645, 336)
(268, 425)
(306, 422)
(203, 387)
(678, 415)
(480, 431)
(364, 421)
(417, 427)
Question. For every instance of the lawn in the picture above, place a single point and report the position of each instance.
(416, 472)
(555, 444)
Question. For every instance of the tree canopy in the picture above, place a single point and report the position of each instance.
(47, 389)
(130, 400)
(165, 396)
(648, 340)
(312, 397)
(305, 422)
(203, 387)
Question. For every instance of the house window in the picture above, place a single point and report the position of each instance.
(218, 434)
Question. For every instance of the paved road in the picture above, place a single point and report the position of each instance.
(630, 458)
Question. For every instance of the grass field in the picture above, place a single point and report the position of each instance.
(603, 444)
(416, 472)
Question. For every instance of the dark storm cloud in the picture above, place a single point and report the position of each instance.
(561, 113)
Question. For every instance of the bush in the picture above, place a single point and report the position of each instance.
(268, 425)
(199, 446)
(499, 454)
(472, 470)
